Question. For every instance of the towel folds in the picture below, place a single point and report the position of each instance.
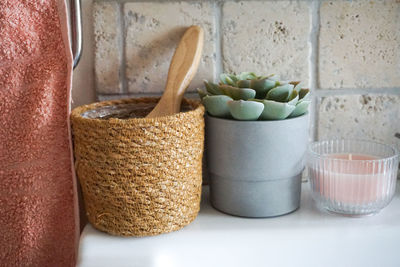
(38, 204)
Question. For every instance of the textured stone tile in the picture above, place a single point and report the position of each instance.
(359, 44)
(153, 30)
(267, 37)
(107, 37)
(372, 117)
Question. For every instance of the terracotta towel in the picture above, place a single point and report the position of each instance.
(38, 205)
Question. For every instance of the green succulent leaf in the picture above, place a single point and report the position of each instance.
(202, 93)
(293, 98)
(217, 105)
(212, 88)
(245, 110)
(304, 93)
(228, 79)
(247, 76)
(300, 109)
(244, 83)
(234, 77)
(297, 87)
(266, 77)
(276, 110)
(233, 80)
(238, 93)
(222, 78)
(262, 87)
(280, 93)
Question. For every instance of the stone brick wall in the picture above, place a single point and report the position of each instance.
(348, 52)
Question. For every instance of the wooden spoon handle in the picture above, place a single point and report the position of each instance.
(184, 65)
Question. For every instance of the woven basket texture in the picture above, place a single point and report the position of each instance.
(140, 176)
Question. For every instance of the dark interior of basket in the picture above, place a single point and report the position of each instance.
(125, 111)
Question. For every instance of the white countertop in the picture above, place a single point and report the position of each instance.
(307, 237)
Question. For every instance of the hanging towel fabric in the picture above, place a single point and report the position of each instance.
(38, 203)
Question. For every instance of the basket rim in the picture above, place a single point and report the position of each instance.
(77, 112)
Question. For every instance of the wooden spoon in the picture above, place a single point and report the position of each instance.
(183, 67)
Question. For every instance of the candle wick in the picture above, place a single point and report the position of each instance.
(350, 156)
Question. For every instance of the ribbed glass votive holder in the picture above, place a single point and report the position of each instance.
(352, 177)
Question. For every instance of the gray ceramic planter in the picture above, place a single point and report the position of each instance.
(255, 166)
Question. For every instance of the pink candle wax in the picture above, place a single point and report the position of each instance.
(351, 179)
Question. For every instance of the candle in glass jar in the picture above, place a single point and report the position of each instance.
(351, 179)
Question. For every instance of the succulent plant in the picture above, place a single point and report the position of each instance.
(247, 96)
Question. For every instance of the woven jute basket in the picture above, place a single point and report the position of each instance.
(140, 176)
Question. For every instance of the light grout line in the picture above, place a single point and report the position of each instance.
(313, 65)
(122, 74)
(218, 40)
(361, 91)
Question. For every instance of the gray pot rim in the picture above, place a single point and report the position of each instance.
(257, 121)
